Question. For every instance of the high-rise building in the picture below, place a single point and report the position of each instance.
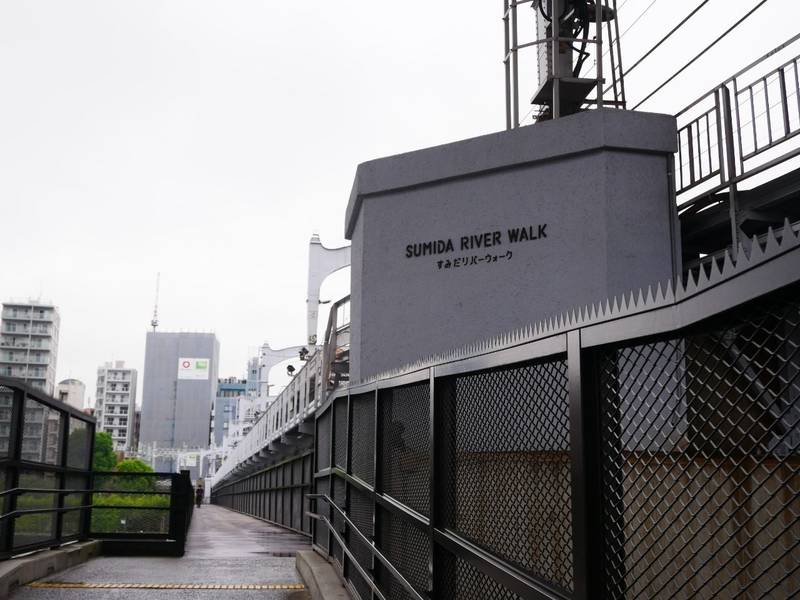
(72, 392)
(115, 406)
(29, 343)
(180, 385)
(226, 406)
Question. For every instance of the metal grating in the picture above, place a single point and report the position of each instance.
(464, 582)
(122, 520)
(340, 435)
(362, 447)
(362, 588)
(407, 547)
(700, 460)
(340, 498)
(320, 530)
(405, 438)
(324, 440)
(508, 481)
(360, 513)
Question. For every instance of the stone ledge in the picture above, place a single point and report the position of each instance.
(320, 577)
(17, 572)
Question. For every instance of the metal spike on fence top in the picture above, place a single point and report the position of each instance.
(607, 308)
(716, 272)
(787, 234)
(669, 293)
(728, 267)
(702, 277)
(742, 254)
(614, 307)
(645, 297)
(772, 245)
(648, 299)
(629, 302)
(692, 277)
(756, 251)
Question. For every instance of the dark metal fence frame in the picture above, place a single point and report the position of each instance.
(180, 509)
(13, 463)
(181, 495)
(265, 494)
(713, 151)
(580, 340)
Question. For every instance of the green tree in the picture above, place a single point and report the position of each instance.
(133, 465)
(130, 483)
(104, 458)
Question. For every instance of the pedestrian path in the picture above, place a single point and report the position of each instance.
(228, 555)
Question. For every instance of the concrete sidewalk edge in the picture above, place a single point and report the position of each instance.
(320, 577)
(16, 572)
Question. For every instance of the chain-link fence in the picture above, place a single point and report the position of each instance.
(276, 493)
(651, 454)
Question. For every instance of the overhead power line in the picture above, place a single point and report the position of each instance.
(666, 37)
(697, 57)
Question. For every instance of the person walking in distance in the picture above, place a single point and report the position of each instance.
(198, 496)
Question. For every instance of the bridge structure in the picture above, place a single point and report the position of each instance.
(643, 446)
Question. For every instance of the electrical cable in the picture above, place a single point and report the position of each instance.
(666, 37)
(697, 57)
(636, 20)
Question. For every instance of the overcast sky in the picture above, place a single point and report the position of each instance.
(208, 139)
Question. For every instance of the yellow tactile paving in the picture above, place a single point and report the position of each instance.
(169, 586)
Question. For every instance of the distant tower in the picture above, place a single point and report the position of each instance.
(154, 322)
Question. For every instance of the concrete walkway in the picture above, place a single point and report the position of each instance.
(223, 547)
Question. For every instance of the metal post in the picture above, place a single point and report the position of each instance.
(332, 461)
(348, 453)
(433, 592)
(586, 525)
(599, 30)
(514, 66)
(784, 103)
(377, 473)
(619, 56)
(12, 473)
(86, 514)
(733, 209)
(62, 476)
(555, 26)
(507, 63)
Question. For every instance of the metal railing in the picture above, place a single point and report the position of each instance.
(51, 497)
(141, 513)
(277, 494)
(45, 454)
(736, 131)
(324, 370)
(646, 448)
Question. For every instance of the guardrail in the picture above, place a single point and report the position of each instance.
(141, 513)
(45, 454)
(277, 494)
(50, 496)
(741, 128)
(326, 368)
(646, 447)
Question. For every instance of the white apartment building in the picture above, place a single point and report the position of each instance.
(72, 392)
(115, 407)
(29, 343)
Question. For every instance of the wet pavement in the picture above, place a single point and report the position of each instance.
(224, 548)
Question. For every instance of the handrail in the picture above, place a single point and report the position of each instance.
(366, 541)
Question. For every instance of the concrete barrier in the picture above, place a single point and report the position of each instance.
(320, 577)
(16, 572)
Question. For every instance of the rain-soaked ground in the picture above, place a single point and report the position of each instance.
(224, 548)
